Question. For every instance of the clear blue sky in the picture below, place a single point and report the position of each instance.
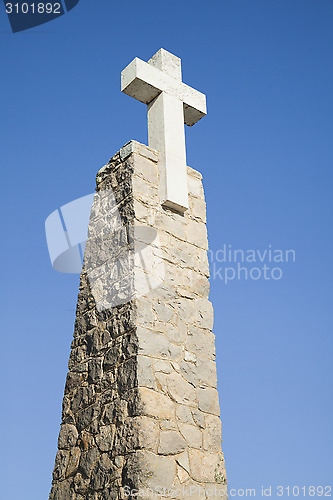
(265, 150)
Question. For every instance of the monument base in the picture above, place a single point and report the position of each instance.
(140, 411)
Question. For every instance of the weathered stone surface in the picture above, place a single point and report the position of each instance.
(194, 183)
(62, 490)
(141, 407)
(152, 404)
(191, 434)
(184, 414)
(104, 439)
(163, 312)
(180, 390)
(136, 433)
(171, 442)
(212, 433)
(204, 316)
(145, 372)
(205, 466)
(157, 345)
(208, 400)
(198, 417)
(88, 460)
(61, 463)
(200, 342)
(145, 469)
(67, 437)
(182, 474)
(74, 460)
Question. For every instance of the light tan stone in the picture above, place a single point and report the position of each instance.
(206, 369)
(196, 282)
(182, 474)
(204, 465)
(171, 442)
(195, 187)
(168, 425)
(198, 208)
(212, 433)
(161, 382)
(157, 345)
(190, 357)
(148, 433)
(196, 233)
(147, 170)
(171, 223)
(183, 460)
(74, 460)
(144, 191)
(143, 212)
(145, 469)
(145, 372)
(184, 414)
(198, 417)
(163, 312)
(204, 315)
(155, 404)
(180, 390)
(208, 400)
(145, 311)
(191, 434)
(138, 149)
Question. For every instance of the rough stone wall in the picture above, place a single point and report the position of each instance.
(141, 409)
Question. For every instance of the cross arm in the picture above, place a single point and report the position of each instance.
(144, 82)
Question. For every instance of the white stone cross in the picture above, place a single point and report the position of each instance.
(171, 103)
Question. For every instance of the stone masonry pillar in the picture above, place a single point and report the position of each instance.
(141, 412)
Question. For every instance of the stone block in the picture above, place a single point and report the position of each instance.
(184, 414)
(160, 365)
(147, 170)
(61, 463)
(212, 433)
(105, 438)
(201, 342)
(191, 434)
(62, 490)
(180, 390)
(198, 208)
(204, 315)
(196, 233)
(157, 345)
(73, 463)
(208, 400)
(67, 437)
(144, 191)
(145, 311)
(163, 312)
(195, 187)
(171, 443)
(205, 465)
(152, 404)
(144, 469)
(145, 372)
(198, 417)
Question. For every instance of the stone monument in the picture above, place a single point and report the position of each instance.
(141, 415)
